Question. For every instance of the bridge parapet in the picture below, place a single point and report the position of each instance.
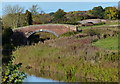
(56, 29)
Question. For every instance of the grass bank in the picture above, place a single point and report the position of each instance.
(73, 57)
(110, 43)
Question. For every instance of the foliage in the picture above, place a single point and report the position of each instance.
(42, 18)
(75, 58)
(102, 23)
(7, 46)
(59, 16)
(16, 18)
(11, 74)
(79, 54)
(70, 74)
(13, 16)
(111, 13)
(1, 24)
(18, 39)
(6, 34)
(69, 33)
(72, 18)
(97, 12)
(28, 17)
(92, 32)
(51, 13)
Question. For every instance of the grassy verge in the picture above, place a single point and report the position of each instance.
(110, 43)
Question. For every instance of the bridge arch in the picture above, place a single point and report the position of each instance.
(41, 30)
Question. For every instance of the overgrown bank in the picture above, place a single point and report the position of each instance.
(74, 57)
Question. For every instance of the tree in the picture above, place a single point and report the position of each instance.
(7, 46)
(1, 24)
(12, 16)
(42, 18)
(8, 9)
(10, 71)
(59, 15)
(6, 35)
(35, 9)
(51, 13)
(111, 13)
(28, 17)
(97, 12)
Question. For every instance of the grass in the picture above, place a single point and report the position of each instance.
(67, 57)
(110, 43)
(74, 59)
(101, 25)
(46, 35)
(69, 34)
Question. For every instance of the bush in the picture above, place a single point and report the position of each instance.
(100, 23)
(92, 32)
(70, 33)
(12, 75)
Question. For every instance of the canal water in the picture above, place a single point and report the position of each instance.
(32, 78)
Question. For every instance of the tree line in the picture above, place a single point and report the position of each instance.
(15, 16)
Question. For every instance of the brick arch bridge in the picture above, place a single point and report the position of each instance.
(56, 29)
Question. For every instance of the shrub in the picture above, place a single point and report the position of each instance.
(92, 32)
(69, 33)
(100, 23)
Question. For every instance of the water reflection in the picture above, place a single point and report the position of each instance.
(48, 76)
(33, 78)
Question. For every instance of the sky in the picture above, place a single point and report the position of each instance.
(48, 7)
(60, 0)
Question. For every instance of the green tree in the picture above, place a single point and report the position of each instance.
(42, 18)
(28, 17)
(59, 16)
(6, 35)
(97, 12)
(111, 13)
(7, 46)
(10, 71)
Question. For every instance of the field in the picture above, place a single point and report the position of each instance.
(74, 56)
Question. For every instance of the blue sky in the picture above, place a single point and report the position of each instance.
(60, 0)
(48, 7)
